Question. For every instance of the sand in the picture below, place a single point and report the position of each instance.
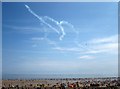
(33, 82)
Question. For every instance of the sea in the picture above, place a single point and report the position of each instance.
(53, 76)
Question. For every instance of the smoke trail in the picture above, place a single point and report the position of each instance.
(74, 30)
(59, 25)
(33, 13)
(69, 24)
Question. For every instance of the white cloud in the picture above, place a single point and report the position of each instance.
(86, 57)
(100, 45)
(21, 28)
(24, 29)
(104, 45)
(110, 39)
(67, 49)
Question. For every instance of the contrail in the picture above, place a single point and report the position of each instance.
(69, 24)
(33, 13)
(59, 25)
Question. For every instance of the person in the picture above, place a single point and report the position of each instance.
(77, 85)
(62, 86)
(68, 84)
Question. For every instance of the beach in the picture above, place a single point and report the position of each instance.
(73, 83)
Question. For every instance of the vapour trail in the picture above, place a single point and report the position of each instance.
(59, 25)
(33, 13)
(76, 32)
(69, 24)
(60, 30)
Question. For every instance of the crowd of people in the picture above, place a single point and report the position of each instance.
(81, 84)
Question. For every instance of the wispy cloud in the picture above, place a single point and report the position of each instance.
(27, 28)
(95, 46)
(24, 29)
(110, 39)
(86, 57)
(75, 49)
(104, 45)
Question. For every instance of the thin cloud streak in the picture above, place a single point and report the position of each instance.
(75, 49)
(33, 13)
(59, 25)
(60, 30)
(86, 57)
(103, 45)
(110, 39)
(24, 29)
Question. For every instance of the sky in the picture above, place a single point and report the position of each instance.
(60, 38)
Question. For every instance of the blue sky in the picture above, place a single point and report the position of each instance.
(60, 38)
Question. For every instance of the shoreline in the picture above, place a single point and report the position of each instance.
(59, 78)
